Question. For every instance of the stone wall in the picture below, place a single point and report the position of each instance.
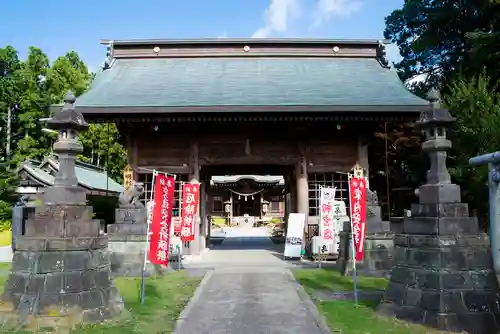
(127, 240)
(377, 258)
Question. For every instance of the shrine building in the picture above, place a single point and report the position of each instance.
(302, 109)
(250, 199)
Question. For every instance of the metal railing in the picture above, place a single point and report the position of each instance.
(493, 162)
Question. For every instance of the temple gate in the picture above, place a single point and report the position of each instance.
(305, 110)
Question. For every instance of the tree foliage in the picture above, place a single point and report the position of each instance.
(434, 38)
(29, 87)
(101, 148)
(475, 103)
(454, 45)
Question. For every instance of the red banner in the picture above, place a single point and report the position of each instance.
(190, 197)
(357, 198)
(161, 220)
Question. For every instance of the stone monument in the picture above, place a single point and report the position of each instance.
(60, 268)
(127, 236)
(442, 274)
(379, 243)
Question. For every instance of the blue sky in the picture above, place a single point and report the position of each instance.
(58, 26)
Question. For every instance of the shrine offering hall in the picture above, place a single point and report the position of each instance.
(261, 124)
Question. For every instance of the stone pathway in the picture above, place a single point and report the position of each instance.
(249, 291)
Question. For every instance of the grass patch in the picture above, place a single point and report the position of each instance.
(4, 274)
(165, 298)
(346, 317)
(219, 222)
(6, 238)
(343, 316)
(331, 280)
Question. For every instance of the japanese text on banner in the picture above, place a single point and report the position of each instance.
(327, 197)
(357, 197)
(190, 196)
(161, 219)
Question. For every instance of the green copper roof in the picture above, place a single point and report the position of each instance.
(89, 176)
(256, 81)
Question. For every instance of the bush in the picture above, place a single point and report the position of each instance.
(5, 210)
(8, 182)
(5, 225)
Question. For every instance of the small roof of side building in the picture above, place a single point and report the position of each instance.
(247, 75)
(90, 177)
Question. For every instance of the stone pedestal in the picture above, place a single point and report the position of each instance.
(442, 274)
(60, 268)
(379, 244)
(127, 239)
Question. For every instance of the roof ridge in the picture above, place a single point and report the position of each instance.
(87, 165)
(36, 172)
(245, 40)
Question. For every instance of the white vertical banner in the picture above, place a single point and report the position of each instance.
(294, 235)
(326, 209)
(149, 211)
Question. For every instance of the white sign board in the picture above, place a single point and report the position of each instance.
(339, 217)
(294, 235)
(175, 246)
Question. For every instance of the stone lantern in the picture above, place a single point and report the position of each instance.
(442, 274)
(60, 268)
(68, 122)
(434, 123)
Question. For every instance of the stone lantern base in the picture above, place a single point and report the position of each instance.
(127, 237)
(379, 245)
(60, 271)
(442, 274)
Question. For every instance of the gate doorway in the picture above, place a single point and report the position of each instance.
(245, 201)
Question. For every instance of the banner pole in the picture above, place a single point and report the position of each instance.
(354, 278)
(146, 244)
(353, 247)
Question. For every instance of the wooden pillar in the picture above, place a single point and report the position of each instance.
(363, 156)
(194, 177)
(232, 208)
(292, 189)
(203, 215)
(302, 189)
(132, 156)
(262, 213)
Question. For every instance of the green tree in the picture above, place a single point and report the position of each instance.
(10, 87)
(102, 148)
(432, 37)
(68, 72)
(101, 142)
(34, 102)
(475, 103)
(8, 183)
(485, 45)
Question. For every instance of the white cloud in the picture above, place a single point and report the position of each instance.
(277, 17)
(327, 9)
(281, 14)
(223, 35)
(392, 52)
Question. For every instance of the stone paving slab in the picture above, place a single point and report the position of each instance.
(248, 302)
(249, 291)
